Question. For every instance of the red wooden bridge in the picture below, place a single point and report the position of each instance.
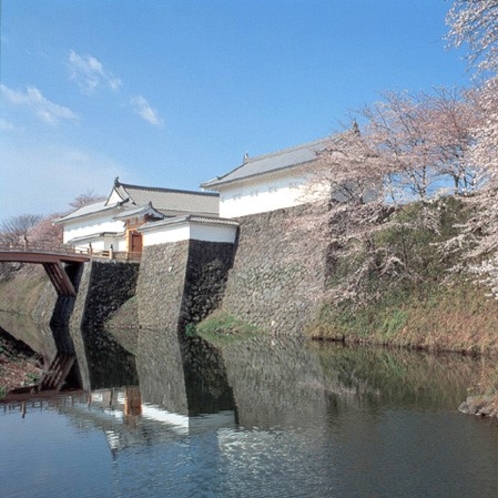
(53, 258)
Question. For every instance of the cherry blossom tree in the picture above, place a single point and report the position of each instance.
(15, 229)
(408, 148)
(33, 229)
(400, 149)
(85, 198)
(46, 233)
(474, 23)
(349, 168)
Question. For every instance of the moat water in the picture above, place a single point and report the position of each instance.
(268, 417)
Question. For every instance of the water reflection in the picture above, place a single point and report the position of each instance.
(379, 377)
(267, 381)
(103, 361)
(259, 417)
(39, 337)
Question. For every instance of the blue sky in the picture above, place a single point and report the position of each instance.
(172, 93)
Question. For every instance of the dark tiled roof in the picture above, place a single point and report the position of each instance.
(207, 220)
(88, 210)
(276, 161)
(139, 210)
(170, 201)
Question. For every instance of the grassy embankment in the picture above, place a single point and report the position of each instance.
(417, 304)
(420, 303)
(20, 294)
(21, 291)
(223, 329)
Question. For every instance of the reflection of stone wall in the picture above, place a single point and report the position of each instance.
(102, 361)
(205, 377)
(183, 376)
(160, 370)
(272, 380)
(279, 270)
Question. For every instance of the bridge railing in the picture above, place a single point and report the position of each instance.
(116, 255)
(42, 247)
(68, 249)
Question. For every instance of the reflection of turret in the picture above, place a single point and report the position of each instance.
(132, 407)
(123, 419)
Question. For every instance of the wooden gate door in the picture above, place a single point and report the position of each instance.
(136, 242)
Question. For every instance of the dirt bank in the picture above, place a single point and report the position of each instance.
(19, 365)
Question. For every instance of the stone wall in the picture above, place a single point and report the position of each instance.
(279, 271)
(181, 282)
(205, 282)
(161, 285)
(104, 287)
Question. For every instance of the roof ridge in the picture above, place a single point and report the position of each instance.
(165, 189)
(268, 155)
(288, 149)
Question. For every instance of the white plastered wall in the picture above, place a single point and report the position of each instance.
(267, 193)
(164, 234)
(86, 227)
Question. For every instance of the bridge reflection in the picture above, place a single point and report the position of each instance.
(177, 380)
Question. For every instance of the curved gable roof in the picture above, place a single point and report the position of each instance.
(268, 163)
(87, 211)
(168, 201)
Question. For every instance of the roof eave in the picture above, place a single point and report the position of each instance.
(64, 219)
(189, 218)
(95, 236)
(217, 183)
(126, 186)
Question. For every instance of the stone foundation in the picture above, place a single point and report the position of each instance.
(279, 271)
